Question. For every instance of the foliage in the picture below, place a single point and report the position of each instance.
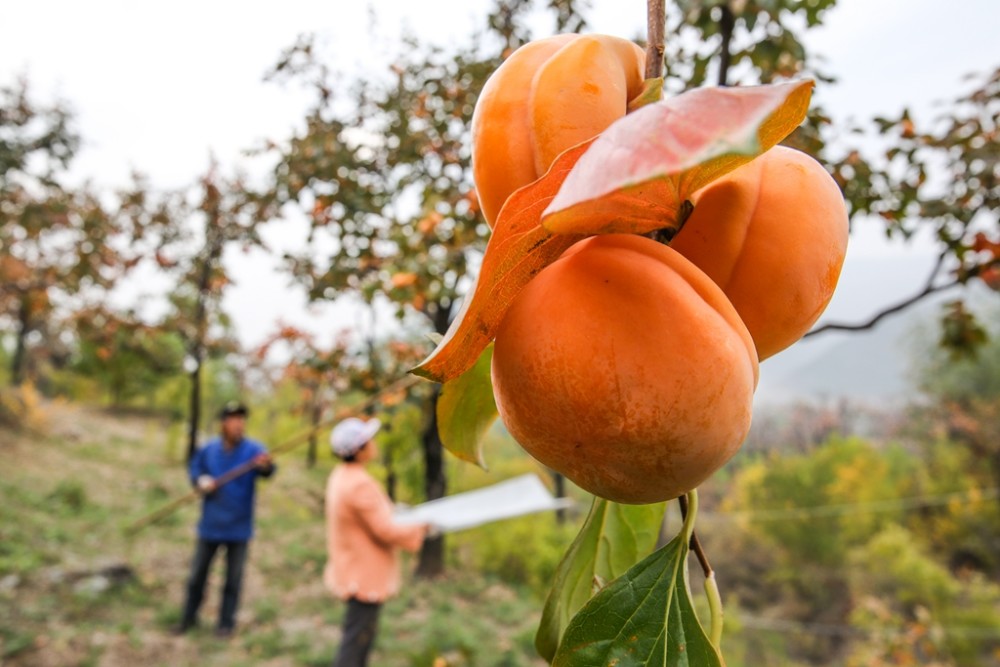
(839, 473)
(745, 42)
(126, 356)
(934, 614)
(942, 177)
(612, 539)
(20, 407)
(353, 173)
(525, 553)
(644, 617)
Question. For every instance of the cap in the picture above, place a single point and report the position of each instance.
(232, 409)
(350, 435)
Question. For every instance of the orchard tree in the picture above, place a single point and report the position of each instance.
(961, 398)
(320, 373)
(224, 214)
(382, 174)
(54, 241)
(126, 356)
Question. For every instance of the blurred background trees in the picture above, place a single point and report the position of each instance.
(813, 545)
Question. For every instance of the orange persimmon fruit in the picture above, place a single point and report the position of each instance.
(548, 96)
(624, 367)
(773, 235)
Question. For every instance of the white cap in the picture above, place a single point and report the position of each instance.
(350, 435)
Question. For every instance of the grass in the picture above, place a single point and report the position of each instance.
(69, 491)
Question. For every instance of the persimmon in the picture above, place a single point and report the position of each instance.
(624, 367)
(773, 235)
(549, 95)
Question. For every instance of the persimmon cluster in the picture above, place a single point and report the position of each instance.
(630, 365)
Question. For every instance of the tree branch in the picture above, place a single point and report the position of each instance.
(656, 20)
(929, 289)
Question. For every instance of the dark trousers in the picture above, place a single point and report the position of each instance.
(236, 556)
(360, 626)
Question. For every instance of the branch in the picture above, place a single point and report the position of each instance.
(929, 288)
(656, 19)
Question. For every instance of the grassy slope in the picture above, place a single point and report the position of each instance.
(66, 494)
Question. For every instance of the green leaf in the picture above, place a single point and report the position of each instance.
(466, 410)
(613, 538)
(643, 618)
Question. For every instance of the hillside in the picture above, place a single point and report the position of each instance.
(75, 590)
(872, 365)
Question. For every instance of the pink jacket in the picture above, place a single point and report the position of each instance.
(362, 541)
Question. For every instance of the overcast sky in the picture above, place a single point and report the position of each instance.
(159, 87)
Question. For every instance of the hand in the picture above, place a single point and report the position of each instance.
(263, 461)
(432, 530)
(205, 484)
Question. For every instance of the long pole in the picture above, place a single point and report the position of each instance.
(240, 470)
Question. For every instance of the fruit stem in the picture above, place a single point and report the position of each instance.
(689, 512)
(689, 509)
(656, 20)
(715, 610)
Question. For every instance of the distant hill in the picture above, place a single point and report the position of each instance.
(872, 365)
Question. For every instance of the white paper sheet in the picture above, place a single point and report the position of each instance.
(513, 497)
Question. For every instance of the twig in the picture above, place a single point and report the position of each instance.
(929, 288)
(656, 20)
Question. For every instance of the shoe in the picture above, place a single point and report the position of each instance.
(224, 633)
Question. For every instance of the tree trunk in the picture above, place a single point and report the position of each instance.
(431, 563)
(727, 23)
(390, 475)
(316, 414)
(194, 415)
(213, 247)
(18, 366)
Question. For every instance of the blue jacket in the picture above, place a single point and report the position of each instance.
(227, 512)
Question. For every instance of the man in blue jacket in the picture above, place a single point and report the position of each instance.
(226, 513)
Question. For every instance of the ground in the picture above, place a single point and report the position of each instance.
(77, 589)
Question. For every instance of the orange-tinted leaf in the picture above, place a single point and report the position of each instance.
(518, 249)
(401, 279)
(640, 170)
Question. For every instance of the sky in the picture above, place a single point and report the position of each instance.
(162, 87)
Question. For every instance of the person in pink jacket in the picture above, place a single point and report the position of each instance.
(363, 541)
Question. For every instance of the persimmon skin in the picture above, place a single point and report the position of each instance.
(624, 367)
(548, 96)
(773, 234)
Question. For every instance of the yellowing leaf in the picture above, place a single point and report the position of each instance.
(638, 172)
(518, 249)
